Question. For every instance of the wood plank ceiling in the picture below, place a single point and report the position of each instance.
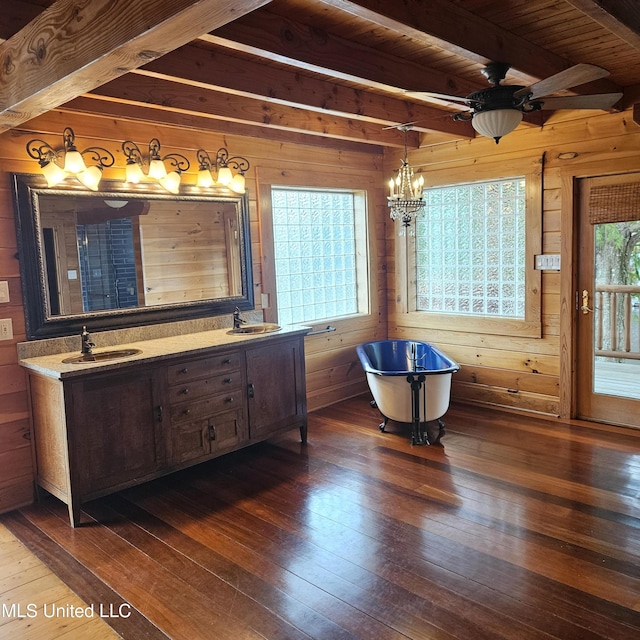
(301, 70)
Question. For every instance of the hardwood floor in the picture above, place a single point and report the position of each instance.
(514, 527)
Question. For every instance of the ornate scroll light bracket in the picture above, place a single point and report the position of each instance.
(225, 166)
(405, 192)
(73, 163)
(157, 165)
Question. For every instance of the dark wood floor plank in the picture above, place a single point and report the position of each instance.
(512, 527)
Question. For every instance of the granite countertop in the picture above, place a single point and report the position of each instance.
(152, 351)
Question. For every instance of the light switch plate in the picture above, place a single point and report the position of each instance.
(4, 291)
(548, 262)
(6, 329)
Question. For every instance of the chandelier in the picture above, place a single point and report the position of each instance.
(405, 192)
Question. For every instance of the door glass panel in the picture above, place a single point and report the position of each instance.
(616, 307)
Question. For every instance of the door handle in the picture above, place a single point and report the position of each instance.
(585, 303)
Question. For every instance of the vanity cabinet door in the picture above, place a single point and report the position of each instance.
(116, 430)
(276, 388)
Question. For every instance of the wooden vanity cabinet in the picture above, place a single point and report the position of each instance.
(97, 433)
(102, 431)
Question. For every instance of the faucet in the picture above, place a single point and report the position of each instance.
(87, 345)
(238, 320)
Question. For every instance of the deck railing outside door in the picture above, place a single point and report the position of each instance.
(617, 321)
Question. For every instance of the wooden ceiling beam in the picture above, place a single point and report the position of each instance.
(217, 70)
(94, 105)
(448, 26)
(75, 46)
(303, 46)
(621, 17)
(174, 96)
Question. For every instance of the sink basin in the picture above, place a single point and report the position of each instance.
(263, 327)
(101, 356)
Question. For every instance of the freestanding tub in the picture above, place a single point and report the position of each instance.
(410, 382)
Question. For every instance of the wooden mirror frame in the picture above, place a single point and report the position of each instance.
(41, 324)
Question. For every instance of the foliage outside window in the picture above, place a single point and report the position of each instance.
(318, 252)
(470, 249)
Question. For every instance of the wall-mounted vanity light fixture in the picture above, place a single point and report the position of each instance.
(223, 165)
(73, 163)
(157, 165)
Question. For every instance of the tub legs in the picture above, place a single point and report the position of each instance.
(417, 435)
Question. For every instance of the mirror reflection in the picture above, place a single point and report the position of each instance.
(120, 254)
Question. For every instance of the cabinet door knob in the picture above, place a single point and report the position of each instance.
(159, 413)
(251, 390)
(212, 432)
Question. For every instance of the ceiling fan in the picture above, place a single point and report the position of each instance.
(498, 110)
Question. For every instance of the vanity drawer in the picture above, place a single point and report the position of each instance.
(194, 389)
(207, 407)
(194, 369)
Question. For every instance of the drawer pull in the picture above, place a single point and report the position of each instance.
(228, 380)
(212, 432)
(186, 412)
(229, 400)
(184, 391)
(184, 370)
(226, 361)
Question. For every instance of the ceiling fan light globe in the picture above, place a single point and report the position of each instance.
(497, 122)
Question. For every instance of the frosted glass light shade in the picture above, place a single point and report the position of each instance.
(171, 182)
(53, 174)
(497, 122)
(205, 179)
(157, 170)
(133, 172)
(73, 162)
(91, 177)
(225, 176)
(237, 183)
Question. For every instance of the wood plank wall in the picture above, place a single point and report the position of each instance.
(332, 369)
(522, 373)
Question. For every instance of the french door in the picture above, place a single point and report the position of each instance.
(607, 375)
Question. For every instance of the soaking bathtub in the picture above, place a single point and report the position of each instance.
(410, 382)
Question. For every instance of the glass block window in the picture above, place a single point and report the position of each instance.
(315, 253)
(470, 249)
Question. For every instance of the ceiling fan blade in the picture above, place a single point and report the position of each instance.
(437, 96)
(595, 101)
(571, 77)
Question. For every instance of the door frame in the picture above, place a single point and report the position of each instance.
(569, 252)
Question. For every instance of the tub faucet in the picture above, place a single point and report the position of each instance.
(87, 345)
(238, 320)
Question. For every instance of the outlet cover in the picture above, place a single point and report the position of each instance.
(6, 329)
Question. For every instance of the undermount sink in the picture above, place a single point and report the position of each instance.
(262, 327)
(101, 356)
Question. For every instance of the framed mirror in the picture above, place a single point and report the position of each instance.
(124, 257)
